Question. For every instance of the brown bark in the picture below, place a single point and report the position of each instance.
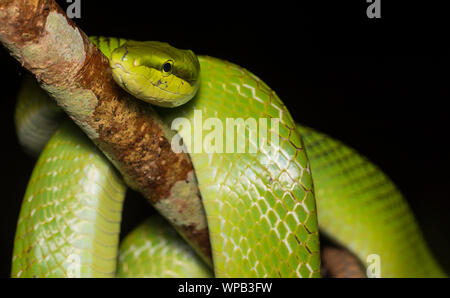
(77, 75)
(340, 263)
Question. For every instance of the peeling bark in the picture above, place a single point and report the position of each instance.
(77, 75)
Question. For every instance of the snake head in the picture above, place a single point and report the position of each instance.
(156, 72)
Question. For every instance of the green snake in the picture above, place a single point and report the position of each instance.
(264, 209)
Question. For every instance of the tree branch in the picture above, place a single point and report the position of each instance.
(77, 75)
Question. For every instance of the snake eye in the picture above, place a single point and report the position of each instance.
(167, 67)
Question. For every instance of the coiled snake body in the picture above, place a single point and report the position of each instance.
(264, 209)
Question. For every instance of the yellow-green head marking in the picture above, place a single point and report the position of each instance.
(156, 72)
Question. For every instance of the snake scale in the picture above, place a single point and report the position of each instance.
(264, 210)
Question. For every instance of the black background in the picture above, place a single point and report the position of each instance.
(380, 86)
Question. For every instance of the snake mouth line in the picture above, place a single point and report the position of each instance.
(119, 66)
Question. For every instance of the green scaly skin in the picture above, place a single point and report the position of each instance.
(260, 207)
(361, 208)
(69, 222)
(156, 244)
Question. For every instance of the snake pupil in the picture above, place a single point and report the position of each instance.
(167, 67)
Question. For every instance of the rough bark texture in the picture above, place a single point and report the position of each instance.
(77, 75)
(340, 263)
